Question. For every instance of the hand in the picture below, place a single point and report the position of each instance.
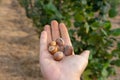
(70, 67)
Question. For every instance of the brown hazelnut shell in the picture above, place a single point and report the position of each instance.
(68, 50)
(58, 56)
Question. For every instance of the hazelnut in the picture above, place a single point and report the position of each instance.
(58, 56)
(60, 42)
(68, 50)
(52, 49)
(61, 48)
(53, 43)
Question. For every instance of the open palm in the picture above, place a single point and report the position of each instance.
(70, 67)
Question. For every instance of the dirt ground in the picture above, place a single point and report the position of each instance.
(19, 44)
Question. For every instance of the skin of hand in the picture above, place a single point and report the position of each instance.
(70, 67)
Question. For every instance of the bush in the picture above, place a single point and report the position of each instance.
(91, 26)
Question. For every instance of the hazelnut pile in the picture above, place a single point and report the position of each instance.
(58, 49)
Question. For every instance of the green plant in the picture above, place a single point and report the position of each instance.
(91, 26)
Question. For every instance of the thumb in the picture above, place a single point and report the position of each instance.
(85, 54)
(43, 46)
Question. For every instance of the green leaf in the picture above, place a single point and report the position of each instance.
(105, 9)
(93, 39)
(95, 25)
(107, 25)
(86, 74)
(50, 7)
(79, 17)
(118, 45)
(104, 32)
(116, 52)
(87, 27)
(116, 62)
(77, 24)
(104, 72)
(112, 12)
(84, 2)
(111, 71)
(115, 32)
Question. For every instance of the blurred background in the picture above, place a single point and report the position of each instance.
(92, 25)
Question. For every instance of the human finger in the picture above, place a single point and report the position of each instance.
(43, 46)
(48, 30)
(85, 54)
(55, 30)
(64, 34)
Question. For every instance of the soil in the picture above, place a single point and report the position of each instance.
(19, 44)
